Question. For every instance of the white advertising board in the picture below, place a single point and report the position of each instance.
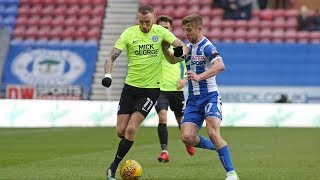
(73, 113)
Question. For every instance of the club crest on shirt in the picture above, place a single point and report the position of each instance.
(155, 38)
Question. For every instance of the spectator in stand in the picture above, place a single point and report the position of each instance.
(283, 4)
(316, 21)
(304, 21)
(235, 9)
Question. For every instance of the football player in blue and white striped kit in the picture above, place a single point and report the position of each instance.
(204, 102)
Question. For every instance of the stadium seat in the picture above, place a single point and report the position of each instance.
(254, 24)
(226, 24)
(19, 32)
(48, 10)
(180, 12)
(241, 24)
(11, 10)
(240, 35)
(61, 9)
(35, 9)
(303, 37)
(278, 35)
(96, 22)
(290, 36)
(215, 23)
(97, 11)
(43, 33)
(291, 13)
(266, 14)
(93, 34)
(315, 37)
(56, 33)
(167, 3)
(252, 35)
(217, 13)
(179, 33)
(85, 10)
(291, 23)
(73, 10)
(205, 11)
(69, 33)
(265, 35)
(24, 9)
(279, 13)
(214, 35)
(83, 21)
(82, 33)
(168, 11)
(265, 24)
(99, 2)
(31, 32)
(194, 9)
(71, 21)
(227, 35)
(176, 23)
(45, 20)
(9, 20)
(21, 20)
(279, 23)
(34, 20)
(58, 21)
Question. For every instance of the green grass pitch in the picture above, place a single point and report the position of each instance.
(84, 153)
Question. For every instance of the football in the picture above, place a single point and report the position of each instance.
(130, 170)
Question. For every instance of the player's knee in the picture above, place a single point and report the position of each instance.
(187, 139)
(120, 132)
(131, 130)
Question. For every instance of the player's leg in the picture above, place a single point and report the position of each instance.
(127, 138)
(213, 120)
(193, 115)
(222, 148)
(124, 114)
(137, 102)
(162, 108)
(177, 105)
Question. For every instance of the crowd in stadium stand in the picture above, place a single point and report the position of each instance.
(308, 19)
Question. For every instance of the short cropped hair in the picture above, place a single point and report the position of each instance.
(164, 18)
(145, 9)
(193, 19)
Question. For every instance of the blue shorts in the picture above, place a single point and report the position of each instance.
(200, 107)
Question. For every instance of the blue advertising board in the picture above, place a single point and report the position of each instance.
(51, 64)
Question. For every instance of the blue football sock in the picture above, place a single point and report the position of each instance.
(205, 143)
(225, 158)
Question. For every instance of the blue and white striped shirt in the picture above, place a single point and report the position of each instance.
(199, 60)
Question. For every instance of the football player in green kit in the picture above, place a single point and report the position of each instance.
(142, 87)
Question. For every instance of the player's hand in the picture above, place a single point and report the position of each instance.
(178, 51)
(182, 83)
(106, 82)
(193, 76)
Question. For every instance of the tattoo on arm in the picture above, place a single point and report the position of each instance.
(114, 54)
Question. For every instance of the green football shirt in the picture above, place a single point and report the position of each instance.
(171, 74)
(145, 54)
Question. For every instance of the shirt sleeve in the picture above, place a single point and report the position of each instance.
(168, 36)
(121, 43)
(211, 53)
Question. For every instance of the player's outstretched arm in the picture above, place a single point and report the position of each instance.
(216, 68)
(113, 55)
(180, 50)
